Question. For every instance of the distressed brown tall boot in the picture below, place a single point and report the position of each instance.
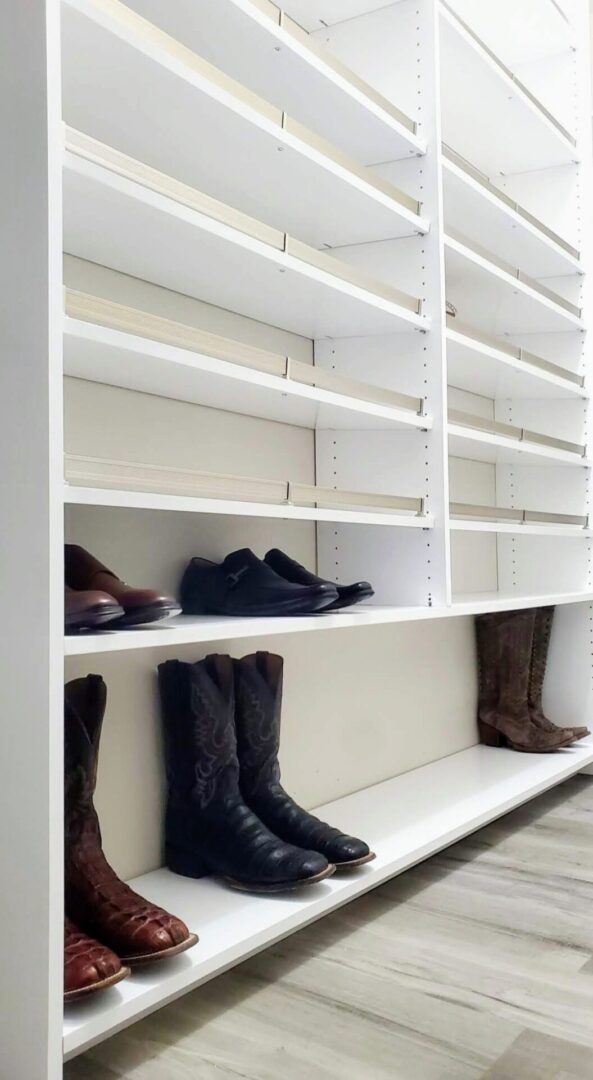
(505, 641)
(539, 655)
(96, 899)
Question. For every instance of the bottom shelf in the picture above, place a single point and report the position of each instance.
(403, 825)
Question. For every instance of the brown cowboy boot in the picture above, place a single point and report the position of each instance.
(504, 651)
(88, 965)
(539, 656)
(101, 904)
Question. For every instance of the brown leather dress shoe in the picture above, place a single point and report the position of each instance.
(88, 966)
(139, 606)
(89, 609)
(99, 902)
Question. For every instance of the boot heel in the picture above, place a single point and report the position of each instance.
(489, 736)
(185, 863)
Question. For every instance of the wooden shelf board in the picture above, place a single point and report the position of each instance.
(467, 790)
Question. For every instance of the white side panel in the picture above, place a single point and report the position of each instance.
(31, 555)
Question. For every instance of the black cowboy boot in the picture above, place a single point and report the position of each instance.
(258, 687)
(209, 829)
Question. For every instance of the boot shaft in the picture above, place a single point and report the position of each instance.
(198, 706)
(539, 656)
(84, 709)
(505, 641)
(258, 691)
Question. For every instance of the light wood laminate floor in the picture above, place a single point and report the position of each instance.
(475, 965)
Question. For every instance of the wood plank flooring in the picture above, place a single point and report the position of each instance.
(475, 965)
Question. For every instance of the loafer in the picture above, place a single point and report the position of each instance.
(137, 606)
(244, 585)
(292, 571)
(89, 609)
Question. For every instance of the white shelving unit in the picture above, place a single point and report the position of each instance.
(234, 227)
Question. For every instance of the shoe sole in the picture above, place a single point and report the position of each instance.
(163, 954)
(277, 887)
(150, 614)
(338, 604)
(272, 611)
(353, 863)
(92, 617)
(104, 984)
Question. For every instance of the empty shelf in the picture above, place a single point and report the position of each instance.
(486, 440)
(493, 368)
(518, 33)
(133, 87)
(497, 299)
(466, 517)
(110, 343)
(269, 52)
(105, 482)
(488, 116)
(120, 213)
(494, 221)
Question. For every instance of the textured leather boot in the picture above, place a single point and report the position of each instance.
(88, 966)
(539, 655)
(139, 606)
(505, 641)
(209, 829)
(97, 900)
(258, 688)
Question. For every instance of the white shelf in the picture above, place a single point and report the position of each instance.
(102, 354)
(483, 369)
(264, 50)
(519, 33)
(315, 14)
(140, 500)
(474, 209)
(401, 824)
(195, 629)
(494, 301)
(499, 449)
(118, 222)
(487, 116)
(527, 529)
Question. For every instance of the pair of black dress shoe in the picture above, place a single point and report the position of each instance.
(244, 585)
(227, 812)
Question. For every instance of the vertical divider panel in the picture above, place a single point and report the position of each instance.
(406, 566)
(568, 690)
(31, 537)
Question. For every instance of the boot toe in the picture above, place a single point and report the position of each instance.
(156, 936)
(310, 865)
(347, 849)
